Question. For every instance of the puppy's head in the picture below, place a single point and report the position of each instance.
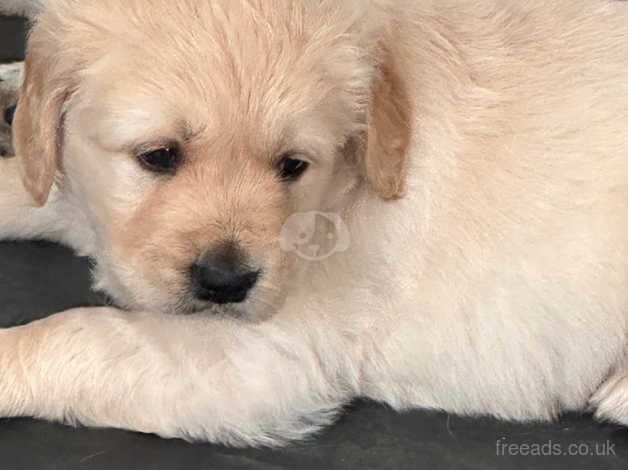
(188, 133)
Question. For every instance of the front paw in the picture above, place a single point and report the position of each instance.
(14, 394)
(6, 120)
(11, 76)
(10, 82)
(6, 151)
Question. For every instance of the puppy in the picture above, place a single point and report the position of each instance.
(423, 203)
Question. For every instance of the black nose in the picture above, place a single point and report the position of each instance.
(223, 278)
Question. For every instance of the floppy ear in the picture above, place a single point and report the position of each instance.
(384, 154)
(37, 126)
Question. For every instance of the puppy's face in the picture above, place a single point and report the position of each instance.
(183, 173)
(190, 147)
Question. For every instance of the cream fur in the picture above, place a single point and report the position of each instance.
(495, 284)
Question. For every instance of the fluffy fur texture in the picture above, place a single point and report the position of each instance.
(28, 8)
(476, 151)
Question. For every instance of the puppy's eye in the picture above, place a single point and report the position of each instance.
(291, 168)
(161, 160)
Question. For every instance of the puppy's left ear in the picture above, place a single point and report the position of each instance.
(385, 146)
(37, 125)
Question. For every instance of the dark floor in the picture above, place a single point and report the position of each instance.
(39, 279)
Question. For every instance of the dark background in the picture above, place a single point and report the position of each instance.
(37, 279)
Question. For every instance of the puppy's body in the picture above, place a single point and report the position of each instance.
(488, 267)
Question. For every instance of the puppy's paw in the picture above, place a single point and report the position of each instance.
(27, 8)
(610, 402)
(11, 76)
(10, 82)
(13, 385)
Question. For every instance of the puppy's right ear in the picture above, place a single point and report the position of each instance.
(38, 122)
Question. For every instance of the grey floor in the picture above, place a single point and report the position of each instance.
(37, 279)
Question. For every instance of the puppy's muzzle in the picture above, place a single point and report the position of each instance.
(222, 277)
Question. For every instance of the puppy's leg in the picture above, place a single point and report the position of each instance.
(18, 218)
(28, 8)
(10, 81)
(192, 377)
(13, 198)
(610, 402)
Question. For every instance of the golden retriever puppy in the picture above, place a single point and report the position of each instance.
(420, 202)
